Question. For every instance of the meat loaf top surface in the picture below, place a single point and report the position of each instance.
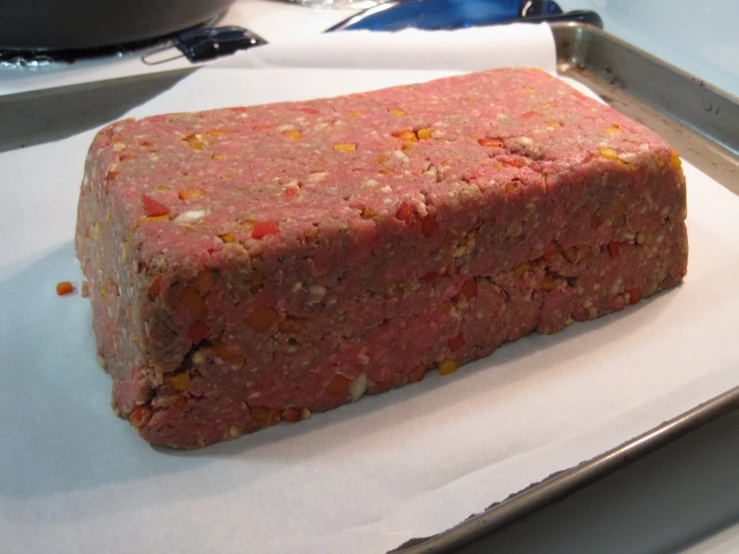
(243, 175)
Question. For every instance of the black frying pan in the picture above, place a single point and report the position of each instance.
(77, 24)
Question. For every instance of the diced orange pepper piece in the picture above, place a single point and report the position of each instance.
(264, 416)
(190, 193)
(204, 282)
(65, 287)
(193, 302)
(263, 228)
(447, 367)
(338, 386)
(226, 351)
(180, 382)
(521, 268)
(157, 218)
(607, 153)
(288, 325)
(675, 161)
(548, 283)
(488, 141)
(152, 208)
(262, 318)
(417, 373)
(405, 135)
(570, 254)
(293, 134)
(425, 134)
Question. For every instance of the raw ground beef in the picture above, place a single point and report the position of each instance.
(252, 265)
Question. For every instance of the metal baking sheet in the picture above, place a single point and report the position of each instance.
(700, 121)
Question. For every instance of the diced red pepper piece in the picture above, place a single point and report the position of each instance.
(429, 226)
(406, 212)
(456, 343)
(469, 289)
(429, 277)
(634, 295)
(291, 414)
(263, 228)
(291, 191)
(156, 286)
(311, 111)
(529, 115)
(417, 373)
(152, 208)
(65, 287)
(138, 416)
(383, 385)
(613, 250)
(198, 331)
(550, 251)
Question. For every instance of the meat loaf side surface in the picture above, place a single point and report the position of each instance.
(252, 265)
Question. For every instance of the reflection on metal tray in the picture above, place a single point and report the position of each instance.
(698, 119)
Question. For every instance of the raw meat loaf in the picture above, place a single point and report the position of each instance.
(252, 265)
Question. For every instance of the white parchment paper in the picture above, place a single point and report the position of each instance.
(368, 476)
